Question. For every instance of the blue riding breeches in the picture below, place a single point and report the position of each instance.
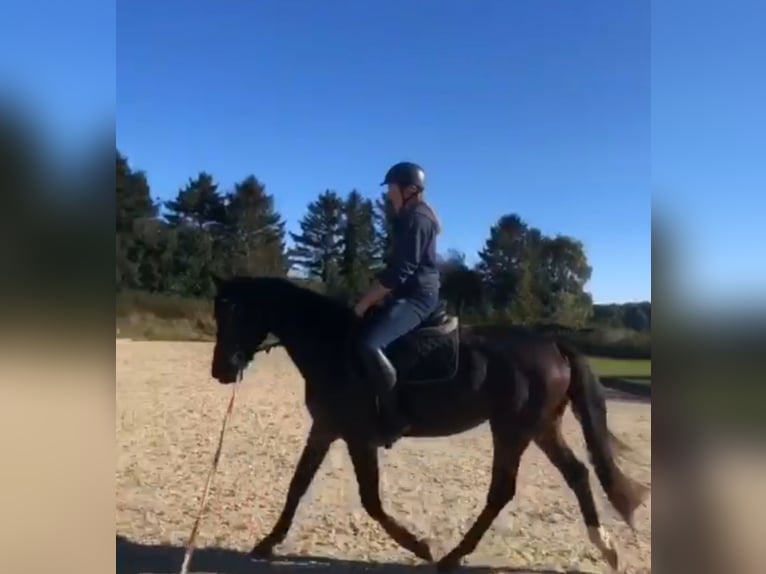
(397, 318)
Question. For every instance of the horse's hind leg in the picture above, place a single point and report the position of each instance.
(575, 473)
(365, 461)
(505, 466)
(314, 452)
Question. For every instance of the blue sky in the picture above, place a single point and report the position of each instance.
(540, 108)
(532, 106)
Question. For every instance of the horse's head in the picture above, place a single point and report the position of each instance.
(240, 329)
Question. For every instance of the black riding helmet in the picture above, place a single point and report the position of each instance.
(406, 173)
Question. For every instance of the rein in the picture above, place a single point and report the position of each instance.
(216, 458)
(213, 468)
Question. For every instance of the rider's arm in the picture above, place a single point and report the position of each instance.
(408, 248)
(408, 251)
(374, 294)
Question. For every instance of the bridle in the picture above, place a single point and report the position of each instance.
(239, 351)
(233, 338)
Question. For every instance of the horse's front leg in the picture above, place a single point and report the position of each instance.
(314, 452)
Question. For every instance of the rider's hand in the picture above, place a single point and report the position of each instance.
(360, 309)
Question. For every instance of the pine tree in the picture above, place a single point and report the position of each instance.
(193, 262)
(133, 200)
(197, 217)
(361, 251)
(198, 204)
(510, 266)
(384, 215)
(318, 250)
(461, 286)
(133, 209)
(252, 242)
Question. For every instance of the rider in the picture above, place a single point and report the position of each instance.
(412, 280)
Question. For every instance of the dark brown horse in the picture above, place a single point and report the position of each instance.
(452, 379)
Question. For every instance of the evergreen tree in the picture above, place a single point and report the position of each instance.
(192, 265)
(252, 242)
(199, 204)
(384, 215)
(461, 287)
(361, 249)
(133, 209)
(318, 247)
(197, 217)
(133, 200)
(154, 249)
(522, 274)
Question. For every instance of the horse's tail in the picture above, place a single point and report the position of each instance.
(589, 406)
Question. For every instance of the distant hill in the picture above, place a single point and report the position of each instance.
(635, 316)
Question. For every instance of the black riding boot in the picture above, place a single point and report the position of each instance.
(383, 375)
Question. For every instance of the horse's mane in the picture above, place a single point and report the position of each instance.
(293, 300)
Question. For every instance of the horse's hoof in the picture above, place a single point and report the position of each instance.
(423, 551)
(261, 551)
(613, 559)
(448, 563)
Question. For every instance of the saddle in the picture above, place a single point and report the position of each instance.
(428, 353)
(438, 322)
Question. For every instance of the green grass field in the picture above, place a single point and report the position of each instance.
(641, 368)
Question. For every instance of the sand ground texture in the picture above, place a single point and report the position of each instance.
(169, 414)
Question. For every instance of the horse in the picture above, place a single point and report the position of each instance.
(451, 378)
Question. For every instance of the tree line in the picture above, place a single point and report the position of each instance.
(522, 275)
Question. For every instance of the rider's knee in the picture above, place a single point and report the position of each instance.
(367, 345)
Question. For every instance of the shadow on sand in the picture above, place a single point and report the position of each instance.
(633, 389)
(135, 558)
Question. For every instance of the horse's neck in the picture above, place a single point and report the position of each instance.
(306, 341)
